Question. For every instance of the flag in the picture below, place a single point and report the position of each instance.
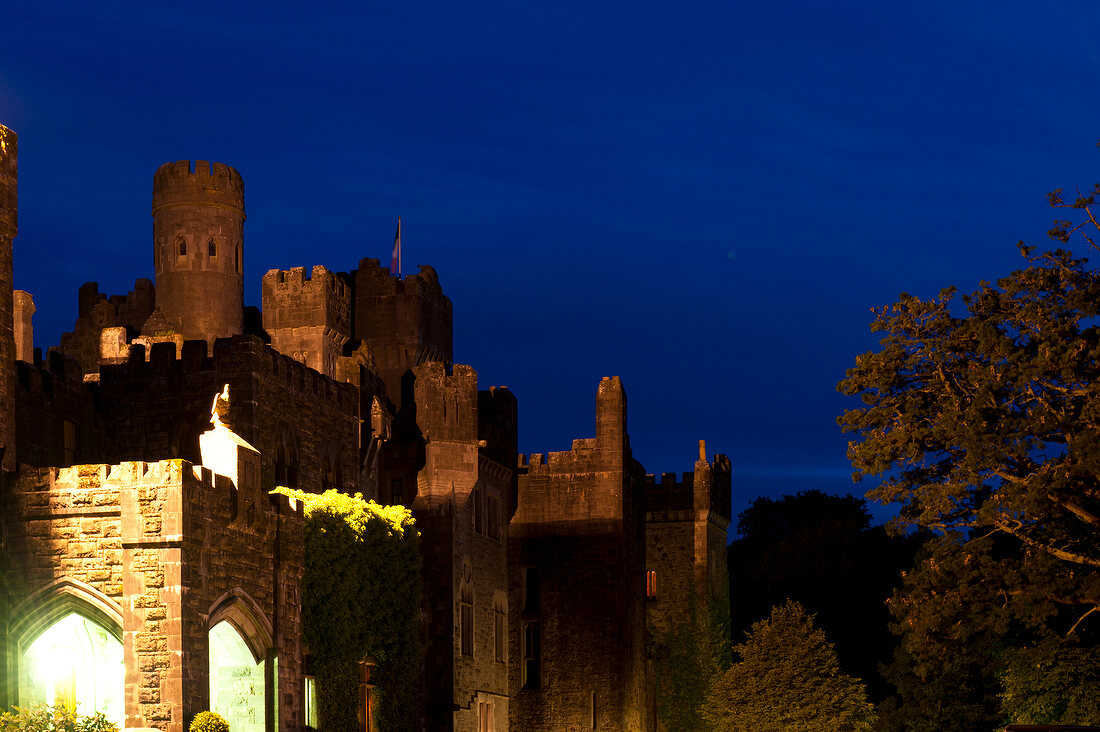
(395, 264)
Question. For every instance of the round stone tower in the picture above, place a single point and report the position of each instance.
(198, 237)
(9, 224)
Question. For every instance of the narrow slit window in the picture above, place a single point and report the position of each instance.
(212, 247)
(181, 246)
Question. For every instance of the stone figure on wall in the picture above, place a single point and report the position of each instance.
(219, 410)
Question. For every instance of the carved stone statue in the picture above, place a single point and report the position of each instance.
(219, 410)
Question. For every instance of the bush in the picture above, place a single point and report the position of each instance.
(58, 718)
(209, 722)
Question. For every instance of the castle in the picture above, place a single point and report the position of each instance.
(142, 546)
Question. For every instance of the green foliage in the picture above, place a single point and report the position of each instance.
(1052, 682)
(209, 722)
(989, 420)
(981, 422)
(821, 551)
(360, 600)
(788, 680)
(689, 657)
(59, 718)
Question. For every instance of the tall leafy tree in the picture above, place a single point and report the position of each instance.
(980, 420)
(821, 551)
(787, 680)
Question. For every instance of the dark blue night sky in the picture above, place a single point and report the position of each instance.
(704, 198)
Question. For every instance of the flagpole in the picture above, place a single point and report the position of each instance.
(395, 259)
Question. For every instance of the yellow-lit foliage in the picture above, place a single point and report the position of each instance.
(360, 600)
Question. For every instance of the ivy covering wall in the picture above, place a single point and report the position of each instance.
(360, 600)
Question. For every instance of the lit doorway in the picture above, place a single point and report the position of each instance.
(236, 680)
(76, 662)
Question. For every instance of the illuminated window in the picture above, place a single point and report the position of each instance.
(236, 680)
(651, 584)
(484, 716)
(592, 708)
(531, 642)
(466, 620)
(311, 702)
(75, 662)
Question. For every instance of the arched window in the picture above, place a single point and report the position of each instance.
(236, 680)
(181, 246)
(75, 662)
(212, 248)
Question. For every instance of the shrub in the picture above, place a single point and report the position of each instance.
(58, 718)
(209, 722)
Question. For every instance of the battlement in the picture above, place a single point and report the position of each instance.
(41, 376)
(298, 280)
(706, 488)
(301, 298)
(123, 489)
(446, 401)
(382, 282)
(9, 154)
(184, 183)
(240, 353)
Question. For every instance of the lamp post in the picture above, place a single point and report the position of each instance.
(365, 667)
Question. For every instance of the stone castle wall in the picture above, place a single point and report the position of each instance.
(198, 245)
(461, 503)
(9, 227)
(159, 407)
(578, 533)
(405, 322)
(308, 315)
(157, 553)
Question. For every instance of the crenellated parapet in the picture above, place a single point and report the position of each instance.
(705, 489)
(405, 321)
(56, 412)
(198, 248)
(307, 314)
(157, 402)
(446, 402)
(187, 183)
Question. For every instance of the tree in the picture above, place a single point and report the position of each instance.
(788, 680)
(990, 420)
(821, 551)
(981, 423)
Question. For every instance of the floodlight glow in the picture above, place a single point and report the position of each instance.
(75, 662)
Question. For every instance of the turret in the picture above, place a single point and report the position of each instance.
(198, 237)
(9, 224)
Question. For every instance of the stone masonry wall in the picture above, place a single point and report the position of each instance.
(159, 407)
(465, 558)
(308, 315)
(167, 545)
(9, 226)
(404, 321)
(578, 527)
(47, 396)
